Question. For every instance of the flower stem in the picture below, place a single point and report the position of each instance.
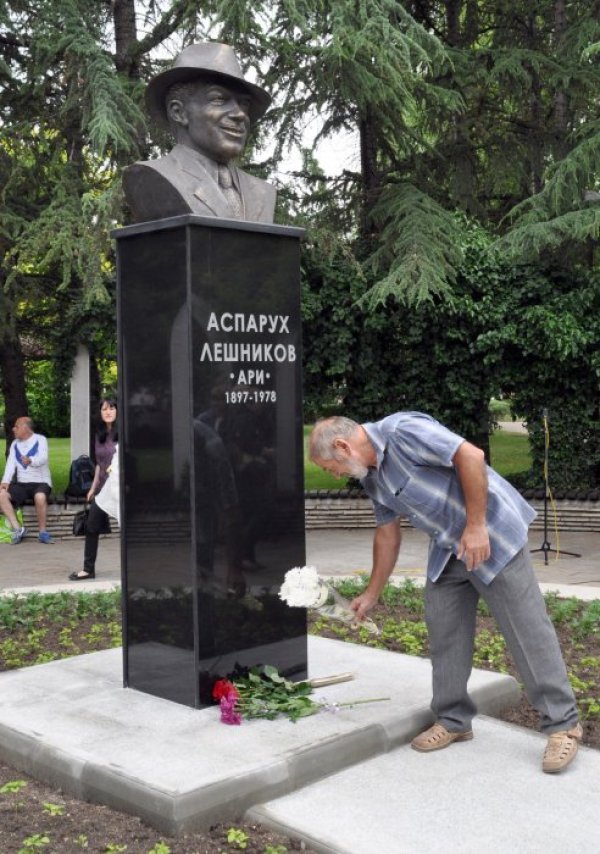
(322, 681)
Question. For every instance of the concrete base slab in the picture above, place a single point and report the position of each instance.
(488, 795)
(72, 724)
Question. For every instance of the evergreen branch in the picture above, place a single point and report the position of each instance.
(172, 20)
(242, 24)
(110, 113)
(70, 236)
(530, 241)
(419, 250)
(565, 189)
(349, 59)
(591, 51)
(107, 111)
(516, 65)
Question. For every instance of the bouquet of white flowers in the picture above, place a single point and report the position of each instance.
(302, 588)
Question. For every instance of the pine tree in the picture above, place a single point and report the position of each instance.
(369, 67)
(71, 116)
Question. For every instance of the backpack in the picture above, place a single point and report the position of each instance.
(81, 477)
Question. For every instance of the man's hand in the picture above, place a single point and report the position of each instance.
(474, 546)
(26, 460)
(3, 487)
(386, 545)
(363, 604)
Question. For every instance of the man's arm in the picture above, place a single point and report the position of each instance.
(386, 546)
(11, 465)
(474, 547)
(41, 457)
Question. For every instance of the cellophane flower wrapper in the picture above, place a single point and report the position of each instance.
(303, 588)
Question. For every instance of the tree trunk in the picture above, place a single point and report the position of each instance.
(472, 23)
(370, 174)
(125, 38)
(126, 59)
(453, 9)
(534, 140)
(12, 383)
(463, 160)
(561, 104)
(12, 362)
(536, 157)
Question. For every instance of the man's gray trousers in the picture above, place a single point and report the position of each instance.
(515, 600)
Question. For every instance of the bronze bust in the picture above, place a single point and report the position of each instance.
(209, 106)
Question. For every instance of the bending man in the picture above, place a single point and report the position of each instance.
(412, 466)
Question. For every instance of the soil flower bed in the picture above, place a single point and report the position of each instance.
(400, 617)
(39, 628)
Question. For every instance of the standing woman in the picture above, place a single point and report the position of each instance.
(105, 451)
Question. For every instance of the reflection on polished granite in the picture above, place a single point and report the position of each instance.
(212, 454)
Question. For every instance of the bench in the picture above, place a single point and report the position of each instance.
(60, 516)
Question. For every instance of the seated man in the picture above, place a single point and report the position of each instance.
(28, 459)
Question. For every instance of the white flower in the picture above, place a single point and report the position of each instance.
(302, 587)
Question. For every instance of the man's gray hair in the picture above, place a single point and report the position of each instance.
(324, 434)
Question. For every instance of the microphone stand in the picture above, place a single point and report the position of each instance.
(545, 547)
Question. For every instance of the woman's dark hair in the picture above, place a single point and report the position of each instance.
(102, 430)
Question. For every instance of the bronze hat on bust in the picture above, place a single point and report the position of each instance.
(196, 61)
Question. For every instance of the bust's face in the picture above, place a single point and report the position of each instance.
(214, 120)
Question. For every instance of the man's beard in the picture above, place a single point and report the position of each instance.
(357, 470)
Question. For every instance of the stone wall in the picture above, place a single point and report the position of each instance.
(335, 510)
(338, 510)
(60, 519)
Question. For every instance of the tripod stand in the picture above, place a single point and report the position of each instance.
(545, 547)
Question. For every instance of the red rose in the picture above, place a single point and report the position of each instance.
(224, 688)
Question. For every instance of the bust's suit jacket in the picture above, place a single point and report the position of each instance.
(180, 183)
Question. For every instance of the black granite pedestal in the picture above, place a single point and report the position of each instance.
(211, 451)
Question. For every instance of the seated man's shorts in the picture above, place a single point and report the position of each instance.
(20, 492)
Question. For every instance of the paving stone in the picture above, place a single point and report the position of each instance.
(71, 723)
(486, 795)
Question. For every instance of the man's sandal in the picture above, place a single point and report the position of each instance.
(561, 749)
(437, 737)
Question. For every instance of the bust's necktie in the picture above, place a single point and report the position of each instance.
(230, 192)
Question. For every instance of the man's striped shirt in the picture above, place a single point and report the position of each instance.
(415, 478)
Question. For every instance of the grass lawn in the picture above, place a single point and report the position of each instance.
(510, 454)
(60, 463)
(509, 451)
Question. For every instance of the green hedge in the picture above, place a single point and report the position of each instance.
(519, 331)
